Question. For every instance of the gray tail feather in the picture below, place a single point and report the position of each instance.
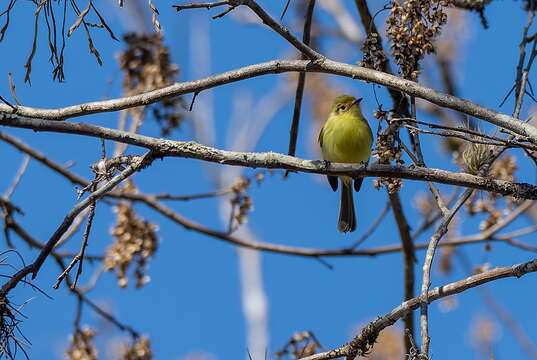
(347, 218)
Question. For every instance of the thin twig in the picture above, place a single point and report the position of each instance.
(79, 258)
(421, 162)
(10, 105)
(18, 177)
(520, 83)
(374, 226)
(282, 31)
(12, 89)
(301, 81)
(206, 195)
(207, 6)
(455, 134)
(399, 100)
(33, 243)
(73, 229)
(18, 144)
(98, 310)
(34, 268)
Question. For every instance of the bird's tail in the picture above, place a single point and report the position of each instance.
(347, 218)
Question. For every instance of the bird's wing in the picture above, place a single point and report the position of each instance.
(320, 139)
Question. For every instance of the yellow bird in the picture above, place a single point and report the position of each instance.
(346, 138)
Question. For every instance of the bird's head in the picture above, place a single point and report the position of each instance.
(344, 103)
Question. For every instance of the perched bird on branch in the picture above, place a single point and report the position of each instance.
(346, 138)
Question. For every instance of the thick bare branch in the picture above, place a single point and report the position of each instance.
(272, 160)
(279, 66)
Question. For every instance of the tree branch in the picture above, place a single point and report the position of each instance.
(471, 4)
(33, 268)
(272, 160)
(364, 341)
(427, 264)
(152, 202)
(281, 30)
(409, 259)
(279, 66)
(301, 81)
(400, 102)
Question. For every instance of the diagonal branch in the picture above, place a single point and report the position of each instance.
(16, 180)
(264, 16)
(281, 30)
(365, 340)
(33, 268)
(503, 314)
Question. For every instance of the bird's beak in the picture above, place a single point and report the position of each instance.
(357, 101)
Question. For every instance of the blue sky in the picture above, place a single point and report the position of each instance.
(193, 302)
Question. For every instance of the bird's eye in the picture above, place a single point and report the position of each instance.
(342, 108)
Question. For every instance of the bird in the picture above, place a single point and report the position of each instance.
(346, 138)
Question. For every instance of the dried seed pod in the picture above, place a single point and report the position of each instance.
(147, 65)
(301, 344)
(373, 55)
(136, 241)
(138, 350)
(413, 25)
(241, 201)
(81, 346)
(387, 151)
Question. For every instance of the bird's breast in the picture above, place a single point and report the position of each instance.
(346, 140)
